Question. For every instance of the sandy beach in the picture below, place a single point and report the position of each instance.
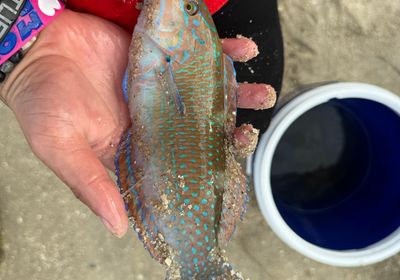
(47, 234)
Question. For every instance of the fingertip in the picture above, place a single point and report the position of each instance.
(104, 201)
(119, 229)
(256, 96)
(246, 138)
(110, 208)
(123, 226)
(79, 167)
(240, 49)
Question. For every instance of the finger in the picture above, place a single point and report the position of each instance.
(245, 140)
(78, 166)
(240, 49)
(256, 96)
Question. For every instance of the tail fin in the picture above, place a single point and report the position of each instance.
(216, 268)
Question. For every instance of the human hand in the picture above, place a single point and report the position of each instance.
(66, 95)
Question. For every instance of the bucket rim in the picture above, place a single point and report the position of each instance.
(281, 121)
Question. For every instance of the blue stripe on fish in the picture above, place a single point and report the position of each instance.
(125, 86)
(198, 39)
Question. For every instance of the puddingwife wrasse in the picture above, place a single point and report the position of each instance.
(184, 191)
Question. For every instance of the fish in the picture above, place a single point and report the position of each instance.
(183, 188)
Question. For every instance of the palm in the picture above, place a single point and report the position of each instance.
(76, 92)
(71, 109)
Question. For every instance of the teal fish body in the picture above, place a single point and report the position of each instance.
(183, 189)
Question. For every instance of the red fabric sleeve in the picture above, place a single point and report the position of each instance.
(122, 12)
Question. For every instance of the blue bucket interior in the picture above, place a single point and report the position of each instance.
(335, 174)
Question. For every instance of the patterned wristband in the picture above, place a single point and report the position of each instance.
(34, 15)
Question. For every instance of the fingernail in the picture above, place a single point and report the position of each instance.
(116, 230)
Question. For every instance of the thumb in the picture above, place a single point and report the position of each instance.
(79, 167)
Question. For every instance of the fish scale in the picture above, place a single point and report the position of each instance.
(197, 187)
(175, 167)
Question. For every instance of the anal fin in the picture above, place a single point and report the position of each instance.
(233, 201)
(142, 216)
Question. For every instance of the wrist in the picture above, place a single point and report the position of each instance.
(72, 39)
(29, 17)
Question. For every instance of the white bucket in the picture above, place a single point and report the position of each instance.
(362, 226)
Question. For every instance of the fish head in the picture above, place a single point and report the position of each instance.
(178, 27)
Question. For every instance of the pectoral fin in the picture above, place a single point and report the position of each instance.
(169, 87)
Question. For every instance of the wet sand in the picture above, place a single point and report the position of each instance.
(45, 233)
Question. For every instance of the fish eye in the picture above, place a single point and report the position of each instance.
(192, 8)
